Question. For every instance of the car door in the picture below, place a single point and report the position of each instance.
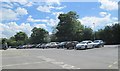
(90, 44)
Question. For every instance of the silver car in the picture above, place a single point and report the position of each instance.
(98, 43)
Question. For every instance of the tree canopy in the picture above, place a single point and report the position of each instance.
(110, 34)
(39, 35)
(21, 36)
(69, 27)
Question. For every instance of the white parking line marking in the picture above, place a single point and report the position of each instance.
(20, 64)
(58, 63)
(110, 66)
(115, 62)
(61, 64)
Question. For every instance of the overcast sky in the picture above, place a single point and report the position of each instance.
(23, 16)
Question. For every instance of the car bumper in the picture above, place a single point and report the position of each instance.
(80, 47)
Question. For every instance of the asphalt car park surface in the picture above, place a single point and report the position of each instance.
(52, 58)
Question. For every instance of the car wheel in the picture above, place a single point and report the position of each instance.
(85, 47)
(100, 46)
(4, 48)
(77, 48)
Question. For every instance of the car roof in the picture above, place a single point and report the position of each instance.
(87, 41)
(97, 40)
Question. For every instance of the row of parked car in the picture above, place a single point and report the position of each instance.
(67, 44)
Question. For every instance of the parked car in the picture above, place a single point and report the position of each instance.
(21, 47)
(61, 45)
(84, 45)
(12, 46)
(71, 44)
(43, 45)
(51, 45)
(4, 46)
(30, 46)
(38, 45)
(98, 43)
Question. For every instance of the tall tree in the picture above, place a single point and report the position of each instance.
(21, 36)
(39, 35)
(69, 28)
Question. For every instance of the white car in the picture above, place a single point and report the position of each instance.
(84, 45)
(51, 45)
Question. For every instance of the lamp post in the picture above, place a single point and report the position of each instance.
(94, 30)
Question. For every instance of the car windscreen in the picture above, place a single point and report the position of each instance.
(96, 41)
(83, 42)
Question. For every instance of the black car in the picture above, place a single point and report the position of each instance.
(61, 45)
(71, 44)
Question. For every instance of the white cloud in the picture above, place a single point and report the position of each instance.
(115, 18)
(50, 33)
(49, 5)
(10, 29)
(59, 8)
(21, 11)
(49, 22)
(109, 4)
(99, 22)
(40, 26)
(57, 14)
(48, 8)
(30, 19)
(53, 1)
(52, 22)
(22, 2)
(44, 8)
(29, 4)
(103, 14)
(8, 14)
(7, 5)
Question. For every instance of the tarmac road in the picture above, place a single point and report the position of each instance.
(97, 58)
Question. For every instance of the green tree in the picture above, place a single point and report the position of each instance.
(116, 33)
(105, 34)
(21, 36)
(110, 34)
(12, 41)
(39, 35)
(87, 33)
(53, 38)
(4, 40)
(69, 28)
